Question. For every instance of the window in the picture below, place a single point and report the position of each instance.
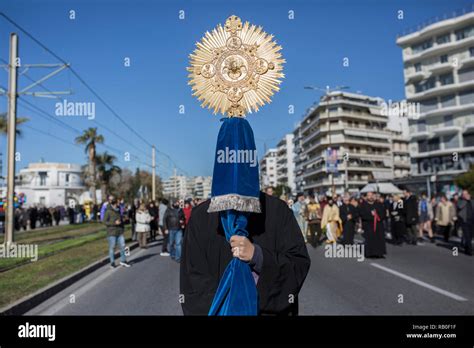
(433, 144)
(425, 85)
(67, 179)
(422, 146)
(466, 97)
(422, 46)
(465, 33)
(443, 58)
(418, 67)
(451, 141)
(448, 100)
(42, 177)
(421, 126)
(466, 74)
(446, 79)
(428, 105)
(469, 139)
(443, 39)
(471, 51)
(448, 120)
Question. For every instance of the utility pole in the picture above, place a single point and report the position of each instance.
(11, 125)
(174, 183)
(153, 180)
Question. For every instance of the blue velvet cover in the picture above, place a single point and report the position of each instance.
(235, 194)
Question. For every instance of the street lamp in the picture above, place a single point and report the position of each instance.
(328, 91)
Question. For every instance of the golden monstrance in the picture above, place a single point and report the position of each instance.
(235, 69)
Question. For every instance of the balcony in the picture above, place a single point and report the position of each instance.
(416, 76)
(445, 89)
(419, 134)
(446, 130)
(436, 50)
(446, 110)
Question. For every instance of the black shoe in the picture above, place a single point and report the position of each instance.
(124, 264)
(112, 265)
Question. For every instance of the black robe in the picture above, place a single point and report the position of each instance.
(348, 225)
(206, 254)
(374, 240)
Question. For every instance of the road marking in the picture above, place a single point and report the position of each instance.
(421, 283)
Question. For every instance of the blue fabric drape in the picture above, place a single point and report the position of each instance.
(235, 135)
(237, 293)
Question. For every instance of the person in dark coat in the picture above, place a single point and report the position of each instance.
(57, 215)
(33, 217)
(465, 210)
(71, 214)
(372, 213)
(349, 215)
(153, 211)
(411, 214)
(398, 223)
(281, 265)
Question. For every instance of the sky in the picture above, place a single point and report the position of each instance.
(149, 92)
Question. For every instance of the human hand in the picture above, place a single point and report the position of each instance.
(242, 248)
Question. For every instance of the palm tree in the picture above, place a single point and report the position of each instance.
(91, 138)
(4, 123)
(106, 169)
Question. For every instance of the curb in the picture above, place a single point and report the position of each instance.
(29, 302)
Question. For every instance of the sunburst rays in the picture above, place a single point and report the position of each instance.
(235, 69)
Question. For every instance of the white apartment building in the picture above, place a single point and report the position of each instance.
(352, 124)
(285, 163)
(181, 186)
(202, 187)
(400, 155)
(439, 75)
(52, 184)
(268, 169)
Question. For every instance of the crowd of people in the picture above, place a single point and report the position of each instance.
(147, 222)
(399, 218)
(37, 216)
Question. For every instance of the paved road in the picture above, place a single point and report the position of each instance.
(430, 279)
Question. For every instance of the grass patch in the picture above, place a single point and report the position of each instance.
(41, 234)
(22, 281)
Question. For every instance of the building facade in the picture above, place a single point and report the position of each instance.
(182, 187)
(400, 155)
(268, 169)
(285, 163)
(354, 127)
(52, 184)
(439, 76)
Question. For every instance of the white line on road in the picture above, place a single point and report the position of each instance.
(421, 283)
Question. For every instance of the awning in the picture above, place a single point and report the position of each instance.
(384, 188)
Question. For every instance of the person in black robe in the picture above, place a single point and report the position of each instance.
(280, 261)
(372, 214)
(349, 215)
